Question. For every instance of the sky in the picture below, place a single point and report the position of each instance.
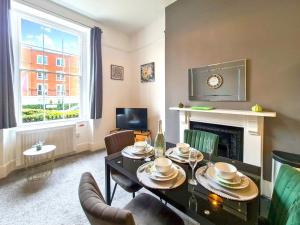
(54, 39)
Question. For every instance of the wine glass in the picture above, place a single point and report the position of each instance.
(193, 162)
(148, 143)
(210, 151)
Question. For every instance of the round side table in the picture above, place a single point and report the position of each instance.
(44, 158)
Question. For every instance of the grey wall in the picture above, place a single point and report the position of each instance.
(267, 33)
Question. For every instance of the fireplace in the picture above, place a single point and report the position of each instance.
(230, 138)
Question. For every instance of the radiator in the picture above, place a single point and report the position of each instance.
(62, 137)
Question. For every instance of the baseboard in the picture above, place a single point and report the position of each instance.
(266, 188)
(7, 168)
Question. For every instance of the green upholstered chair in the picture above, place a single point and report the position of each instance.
(285, 203)
(201, 140)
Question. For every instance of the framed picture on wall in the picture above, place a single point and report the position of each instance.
(117, 72)
(148, 72)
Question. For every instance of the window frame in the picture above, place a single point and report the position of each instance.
(61, 59)
(57, 23)
(63, 92)
(44, 60)
(44, 73)
(43, 85)
(58, 74)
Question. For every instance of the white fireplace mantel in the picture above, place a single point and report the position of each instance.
(252, 122)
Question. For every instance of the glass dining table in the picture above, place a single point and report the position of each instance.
(196, 202)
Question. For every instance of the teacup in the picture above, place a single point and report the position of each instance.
(183, 147)
(140, 146)
(162, 164)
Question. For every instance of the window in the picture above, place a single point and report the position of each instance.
(60, 62)
(42, 60)
(60, 89)
(42, 75)
(42, 89)
(60, 76)
(44, 44)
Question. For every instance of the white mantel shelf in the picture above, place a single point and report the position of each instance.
(227, 111)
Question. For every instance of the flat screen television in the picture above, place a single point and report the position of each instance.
(131, 118)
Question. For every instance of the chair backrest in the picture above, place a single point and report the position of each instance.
(285, 204)
(117, 141)
(201, 140)
(96, 209)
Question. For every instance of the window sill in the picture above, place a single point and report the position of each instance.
(48, 125)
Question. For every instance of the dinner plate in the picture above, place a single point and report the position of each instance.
(154, 175)
(179, 153)
(212, 175)
(171, 154)
(235, 181)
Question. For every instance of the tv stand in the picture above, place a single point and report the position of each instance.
(139, 135)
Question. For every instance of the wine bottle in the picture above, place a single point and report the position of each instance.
(159, 143)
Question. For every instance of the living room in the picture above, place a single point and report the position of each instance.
(79, 70)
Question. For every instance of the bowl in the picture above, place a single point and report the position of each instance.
(140, 146)
(183, 147)
(225, 170)
(162, 164)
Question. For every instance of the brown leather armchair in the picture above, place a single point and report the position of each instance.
(115, 143)
(142, 210)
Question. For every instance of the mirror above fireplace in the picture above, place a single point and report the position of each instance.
(218, 82)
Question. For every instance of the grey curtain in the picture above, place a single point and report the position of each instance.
(96, 83)
(7, 109)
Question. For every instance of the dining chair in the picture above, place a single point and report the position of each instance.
(285, 203)
(115, 143)
(142, 210)
(201, 140)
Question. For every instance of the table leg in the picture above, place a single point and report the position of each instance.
(107, 183)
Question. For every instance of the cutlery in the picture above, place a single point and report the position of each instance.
(223, 191)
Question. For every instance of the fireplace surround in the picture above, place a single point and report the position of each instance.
(252, 124)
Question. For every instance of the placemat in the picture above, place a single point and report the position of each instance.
(246, 194)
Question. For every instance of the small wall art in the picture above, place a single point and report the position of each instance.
(117, 72)
(148, 72)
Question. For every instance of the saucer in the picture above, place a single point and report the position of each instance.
(155, 175)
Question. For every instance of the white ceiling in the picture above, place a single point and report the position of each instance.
(124, 15)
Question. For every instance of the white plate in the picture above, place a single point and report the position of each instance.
(179, 153)
(160, 177)
(171, 154)
(162, 185)
(212, 175)
(132, 150)
(245, 194)
(235, 181)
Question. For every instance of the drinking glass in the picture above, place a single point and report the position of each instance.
(193, 162)
(148, 142)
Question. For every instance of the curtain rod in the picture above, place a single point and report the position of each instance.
(56, 14)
